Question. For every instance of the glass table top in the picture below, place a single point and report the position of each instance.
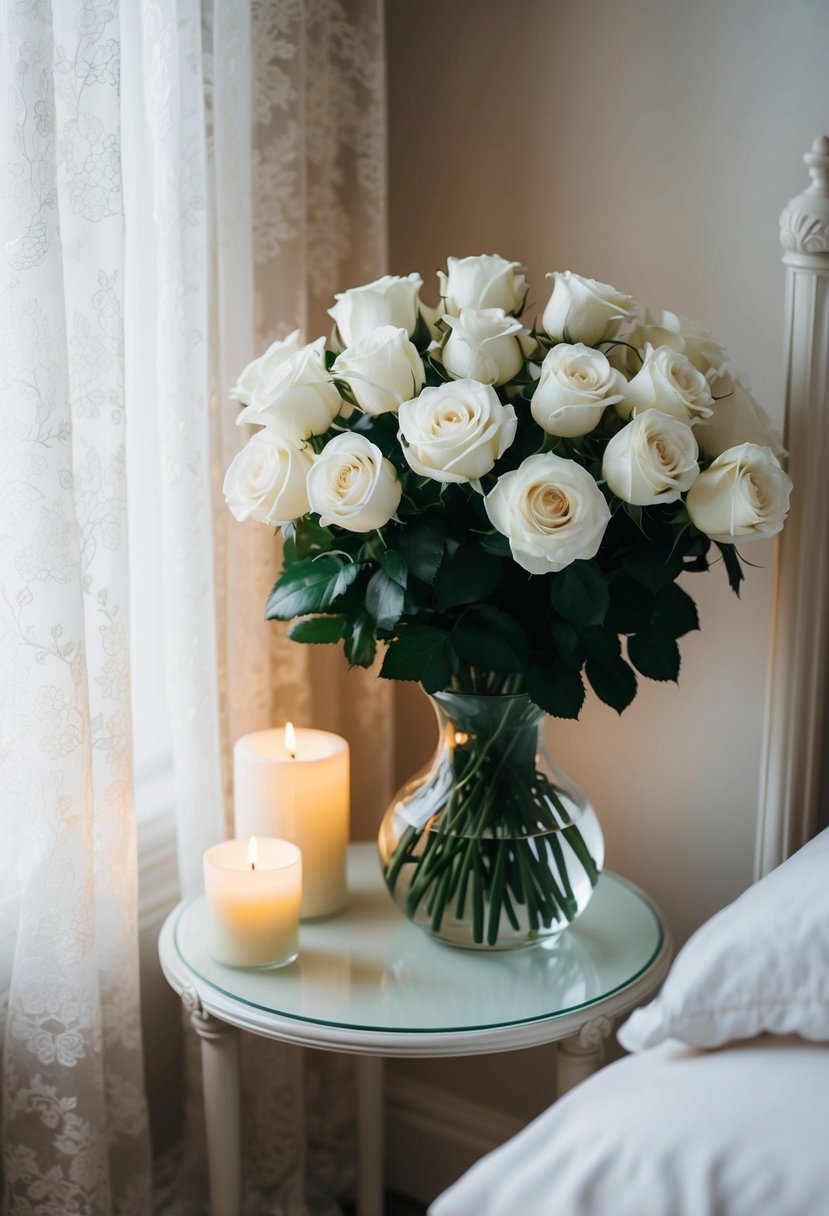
(369, 969)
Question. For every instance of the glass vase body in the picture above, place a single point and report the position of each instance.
(491, 846)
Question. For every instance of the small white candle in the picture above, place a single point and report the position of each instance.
(295, 784)
(252, 889)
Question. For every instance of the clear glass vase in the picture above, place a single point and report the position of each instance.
(491, 847)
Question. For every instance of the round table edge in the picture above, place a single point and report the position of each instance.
(200, 997)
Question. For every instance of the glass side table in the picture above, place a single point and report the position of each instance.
(370, 983)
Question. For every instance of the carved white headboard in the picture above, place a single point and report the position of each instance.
(793, 779)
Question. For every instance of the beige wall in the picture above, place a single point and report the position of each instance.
(650, 144)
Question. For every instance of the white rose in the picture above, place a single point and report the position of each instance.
(686, 337)
(738, 418)
(488, 281)
(296, 396)
(651, 460)
(277, 353)
(576, 385)
(484, 344)
(583, 310)
(391, 300)
(457, 431)
(267, 479)
(352, 484)
(551, 510)
(382, 371)
(743, 495)
(669, 382)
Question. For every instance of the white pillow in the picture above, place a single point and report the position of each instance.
(762, 964)
(672, 1132)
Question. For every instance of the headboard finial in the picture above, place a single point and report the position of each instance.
(818, 161)
(804, 223)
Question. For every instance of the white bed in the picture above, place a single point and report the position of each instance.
(723, 1109)
(675, 1131)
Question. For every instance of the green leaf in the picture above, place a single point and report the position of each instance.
(655, 654)
(467, 577)
(579, 593)
(631, 606)
(421, 545)
(360, 641)
(384, 599)
(305, 537)
(654, 570)
(566, 640)
(309, 586)
(317, 629)
(408, 655)
(437, 673)
(556, 689)
(613, 682)
(600, 645)
(395, 566)
(289, 553)
(675, 613)
(734, 570)
(489, 639)
(495, 543)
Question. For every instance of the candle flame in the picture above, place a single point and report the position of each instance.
(253, 853)
(290, 740)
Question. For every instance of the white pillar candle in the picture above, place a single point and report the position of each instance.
(252, 889)
(300, 793)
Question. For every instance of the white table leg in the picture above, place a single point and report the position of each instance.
(370, 1136)
(582, 1054)
(221, 1080)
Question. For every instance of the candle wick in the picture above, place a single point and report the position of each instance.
(253, 865)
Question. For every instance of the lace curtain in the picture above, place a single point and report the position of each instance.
(252, 237)
(251, 136)
(75, 1123)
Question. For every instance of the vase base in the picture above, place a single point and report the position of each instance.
(500, 947)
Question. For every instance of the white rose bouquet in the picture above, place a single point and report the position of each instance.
(505, 507)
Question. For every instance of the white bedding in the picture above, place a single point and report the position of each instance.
(761, 964)
(674, 1131)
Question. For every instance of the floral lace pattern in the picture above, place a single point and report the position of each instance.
(319, 220)
(319, 197)
(252, 235)
(248, 236)
(75, 1136)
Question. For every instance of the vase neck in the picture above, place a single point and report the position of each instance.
(509, 725)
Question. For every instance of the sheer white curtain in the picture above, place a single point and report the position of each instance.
(266, 193)
(251, 138)
(75, 1124)
(259, 191)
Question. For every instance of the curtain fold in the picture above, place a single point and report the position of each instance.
(173, 105)
(74, 1117)
(279, 109)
